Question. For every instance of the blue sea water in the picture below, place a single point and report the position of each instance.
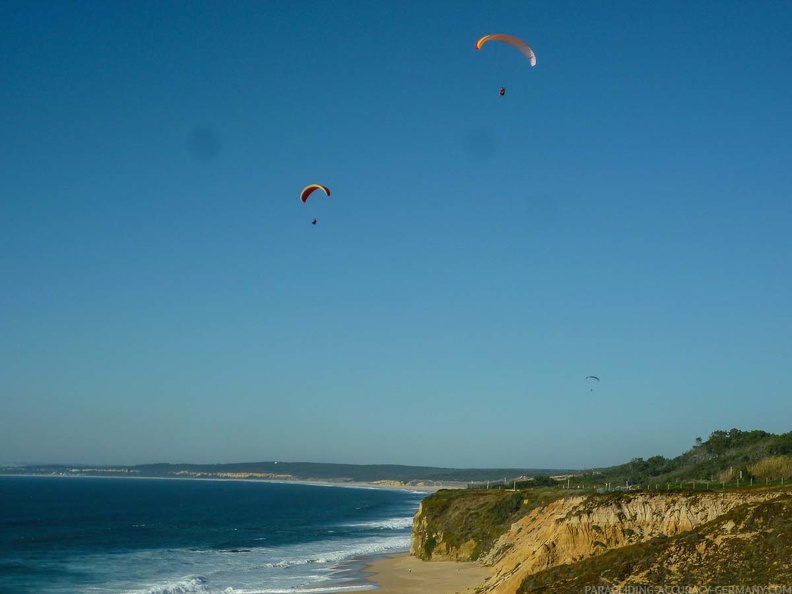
(148, 536)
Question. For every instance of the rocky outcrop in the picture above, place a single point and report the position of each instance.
(572, 529)
(429, 541)
(462, 525)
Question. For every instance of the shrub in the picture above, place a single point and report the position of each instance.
(773, 468)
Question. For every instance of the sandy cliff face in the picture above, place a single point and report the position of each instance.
(576, 528)
(427, 534)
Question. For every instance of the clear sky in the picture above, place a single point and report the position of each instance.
(623, 211)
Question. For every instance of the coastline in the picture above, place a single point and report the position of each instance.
(404, 574)
(315, 483)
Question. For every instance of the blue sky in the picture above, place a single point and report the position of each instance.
(623, 211)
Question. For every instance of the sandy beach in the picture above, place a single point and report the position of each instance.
(403, 574)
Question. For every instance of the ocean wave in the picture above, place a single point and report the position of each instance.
(398, 523)
(332, 552)
(198, 585)
(319, 590)
(282, 540)
(187, 585)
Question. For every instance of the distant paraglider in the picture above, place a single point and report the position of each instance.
(502, 92)
(588, 377)
(513, 41)
(308, 190)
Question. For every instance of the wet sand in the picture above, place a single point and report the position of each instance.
(403, 574)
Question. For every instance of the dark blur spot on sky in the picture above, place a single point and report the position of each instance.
(203, 143)
(479, 143)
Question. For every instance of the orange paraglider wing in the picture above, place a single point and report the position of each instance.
(307, 190)
(513, 41)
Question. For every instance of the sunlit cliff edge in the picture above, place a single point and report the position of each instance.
(719, 515)
(615, 539)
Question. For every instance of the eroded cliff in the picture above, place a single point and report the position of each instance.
(535, 535)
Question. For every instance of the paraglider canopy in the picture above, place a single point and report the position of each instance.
(307, 190)
(588, 377)
(511, 40)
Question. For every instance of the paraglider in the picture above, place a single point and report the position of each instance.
(588, 377)
(308, 190)
(513, 41)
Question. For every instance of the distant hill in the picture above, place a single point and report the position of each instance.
(307, 471)
(727, 455)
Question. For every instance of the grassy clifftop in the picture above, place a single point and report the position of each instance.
(727, 455)
(463, 524)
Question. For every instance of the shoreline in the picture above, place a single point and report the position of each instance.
(401, 573)
(308, 482)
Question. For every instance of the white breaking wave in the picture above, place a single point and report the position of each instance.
(399, 523)
(307, 568)
(337, 551)
(199, 585)
(359, 588)
(187, 585)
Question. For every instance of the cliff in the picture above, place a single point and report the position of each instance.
(534, 536)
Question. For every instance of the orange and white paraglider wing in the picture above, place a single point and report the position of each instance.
(307, 190)
(513, 41)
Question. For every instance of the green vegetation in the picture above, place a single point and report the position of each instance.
(726, 456)
(728, 459)
(477, 515)
(428, 547)
(772, 468)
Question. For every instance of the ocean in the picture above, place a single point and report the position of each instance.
(148, 536)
